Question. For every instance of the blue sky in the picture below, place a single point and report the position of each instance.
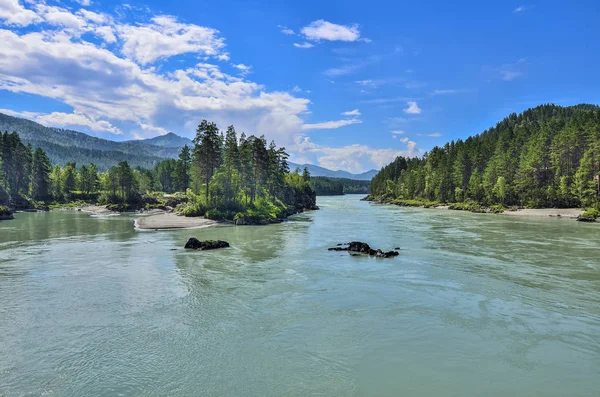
(345, 85)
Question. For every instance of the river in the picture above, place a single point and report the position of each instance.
(475, 305)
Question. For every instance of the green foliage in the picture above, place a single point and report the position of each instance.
(5, 211)
(592, 213)
(548, 156)
(221, 176)
(326, 186)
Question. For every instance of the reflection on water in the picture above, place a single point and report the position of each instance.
(475, 305)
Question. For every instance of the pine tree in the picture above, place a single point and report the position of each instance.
(207, 152)
(40, 178)
(69, 178)
(182, 171)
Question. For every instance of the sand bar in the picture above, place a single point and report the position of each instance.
(171, 221)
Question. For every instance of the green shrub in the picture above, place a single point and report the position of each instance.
(218, 215)
(592, 213)
(498, 208)
(470, 206)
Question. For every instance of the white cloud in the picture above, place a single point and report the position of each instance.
(435, 135)
(61, 17)
(106, 33)
(398, 132)
(102, 85)
(15, 14)
(85, 3)
(303, 45)
(404, 139)
(286, 30)
(323, 30)
(59, 119)
(354, 112)
(412, 108)
(244, 69)
(519, 9)
(330, 125)
(164, 37)
(353, 158)
(93, 16)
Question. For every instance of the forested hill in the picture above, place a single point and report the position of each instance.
(64, 146)
(548, 156)
(325, 186)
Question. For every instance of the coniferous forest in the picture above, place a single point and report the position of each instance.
(548, 156)
(222, 176)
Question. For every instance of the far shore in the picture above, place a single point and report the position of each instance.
(567, 213)
(570, 213)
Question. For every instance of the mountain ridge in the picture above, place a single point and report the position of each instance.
(63, 145)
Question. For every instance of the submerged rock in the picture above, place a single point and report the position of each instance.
(582, 218)
(364, 248)
(195, 244)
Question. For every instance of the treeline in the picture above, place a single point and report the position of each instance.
(326, 186)
(221, 176)
(548, 156)
(27, 175)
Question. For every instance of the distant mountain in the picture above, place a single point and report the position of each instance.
(169, 140)
(315, 170)
(63, 145)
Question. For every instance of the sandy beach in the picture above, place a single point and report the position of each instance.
(557, 212)
(171, 221)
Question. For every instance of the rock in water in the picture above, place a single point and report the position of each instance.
(195, 244)
(364, 248)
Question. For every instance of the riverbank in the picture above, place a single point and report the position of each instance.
(567, 213)
(5, 213)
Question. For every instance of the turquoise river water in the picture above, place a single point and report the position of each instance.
(475, 305)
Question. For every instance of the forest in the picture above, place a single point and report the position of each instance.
(221, 176)
(548, 156)
(327, 186)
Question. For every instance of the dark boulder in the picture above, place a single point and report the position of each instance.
(582, 218)
(195, 244)
(363, 248)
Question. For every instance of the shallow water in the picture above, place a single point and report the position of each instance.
(474, 305)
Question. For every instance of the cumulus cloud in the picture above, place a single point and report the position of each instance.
(13, 13)
(354, 112)
(330, 125)
(353, 158)
(164, 37)
(324, 30)
(122, 85)
(412, 108)
(59, 119)
(303, 45)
